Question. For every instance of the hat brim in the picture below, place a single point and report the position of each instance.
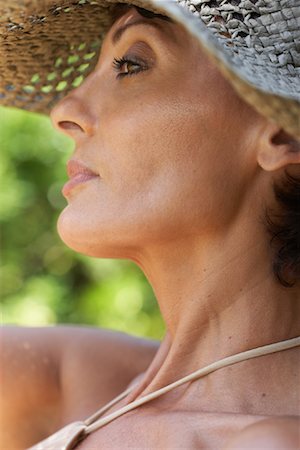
(42, 58)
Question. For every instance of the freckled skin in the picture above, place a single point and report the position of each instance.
(186, 169)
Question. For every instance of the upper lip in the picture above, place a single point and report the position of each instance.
(75, 167)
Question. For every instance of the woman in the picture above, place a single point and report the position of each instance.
(176, 171)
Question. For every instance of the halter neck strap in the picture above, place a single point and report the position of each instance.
(229, 360)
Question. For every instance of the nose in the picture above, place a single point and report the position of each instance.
(73, 115)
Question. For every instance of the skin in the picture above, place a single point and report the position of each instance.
(51, 376)
(186, 168)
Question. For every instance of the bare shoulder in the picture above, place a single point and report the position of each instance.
(29, 373)
(50, 374)
(277, 433)
(97, 364)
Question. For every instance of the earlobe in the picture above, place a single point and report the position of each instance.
(277, 149)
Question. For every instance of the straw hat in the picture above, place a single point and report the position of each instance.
(47, 47)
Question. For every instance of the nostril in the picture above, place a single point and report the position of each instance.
(67, 125)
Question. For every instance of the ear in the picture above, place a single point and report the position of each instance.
(277, 148)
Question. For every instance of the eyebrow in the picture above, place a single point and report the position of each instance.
(118, 34)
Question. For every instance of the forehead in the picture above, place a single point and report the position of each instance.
(126, 16)
(124, 20)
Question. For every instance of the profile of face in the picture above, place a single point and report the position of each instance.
(165, 133)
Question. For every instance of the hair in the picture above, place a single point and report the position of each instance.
(284, 228)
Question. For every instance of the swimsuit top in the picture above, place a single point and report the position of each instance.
(69, 436)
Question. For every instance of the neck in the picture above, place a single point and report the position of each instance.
(217, 298)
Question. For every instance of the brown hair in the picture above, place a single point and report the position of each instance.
(284, 229)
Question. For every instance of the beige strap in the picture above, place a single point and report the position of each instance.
(69, 436)
(63, 439)
(239, 357)
(106, 407)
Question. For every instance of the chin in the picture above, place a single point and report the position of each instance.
(69, 237)
(102, 242)
(76, 238)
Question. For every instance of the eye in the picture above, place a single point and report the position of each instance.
(132, 66)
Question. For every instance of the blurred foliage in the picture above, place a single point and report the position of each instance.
(42, 281)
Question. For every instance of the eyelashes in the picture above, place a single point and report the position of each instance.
(132, 66)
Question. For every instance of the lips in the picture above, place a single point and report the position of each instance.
(78, 173)
(75, 167)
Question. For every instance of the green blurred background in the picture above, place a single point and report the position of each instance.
(42, 281)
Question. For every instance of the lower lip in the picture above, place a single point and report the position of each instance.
(80, 178)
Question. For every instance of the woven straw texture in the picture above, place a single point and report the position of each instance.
(48, 47)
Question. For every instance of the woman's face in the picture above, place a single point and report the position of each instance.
(167, 136)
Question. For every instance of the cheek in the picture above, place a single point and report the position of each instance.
(164, 165)
(143, 135)
(168, 171)
(175, 140)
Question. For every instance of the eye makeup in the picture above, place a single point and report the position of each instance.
(138, 58)
(119, 63)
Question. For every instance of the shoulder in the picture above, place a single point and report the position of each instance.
(85, 348)
(97, 364)
(65, 370)
(279, 433)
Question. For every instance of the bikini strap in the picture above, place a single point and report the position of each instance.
(229, 360)
(104, 408)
